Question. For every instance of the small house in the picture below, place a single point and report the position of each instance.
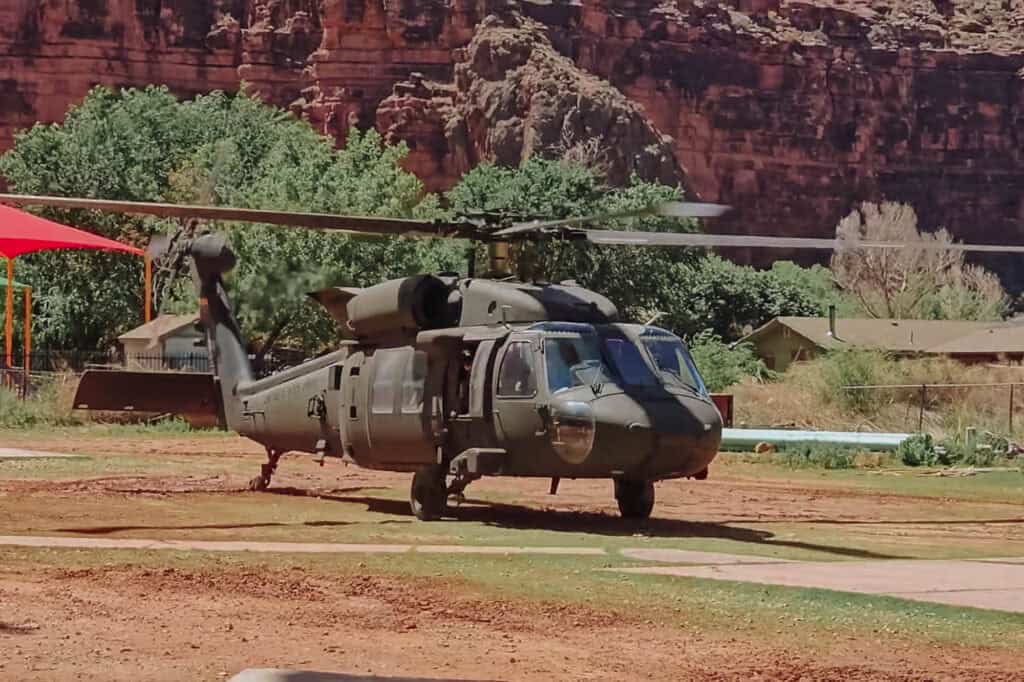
(168, 342)
(784, 340)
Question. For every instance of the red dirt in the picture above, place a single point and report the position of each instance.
(136, 623)
(130, 622)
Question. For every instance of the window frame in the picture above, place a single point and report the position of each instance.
(529, 343)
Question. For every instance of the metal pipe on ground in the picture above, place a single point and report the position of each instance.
(744, 440)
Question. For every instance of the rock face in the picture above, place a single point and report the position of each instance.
(791, 110)
(515, 96)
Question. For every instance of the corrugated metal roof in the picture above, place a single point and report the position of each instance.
(903, 336)
(159, 327)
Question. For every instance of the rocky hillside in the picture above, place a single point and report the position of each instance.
(791, 110)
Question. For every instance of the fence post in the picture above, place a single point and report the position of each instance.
(1010, 427)
(920, 418)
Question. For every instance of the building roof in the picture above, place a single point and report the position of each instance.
(159, 327)
(900, 336)
(997, 340)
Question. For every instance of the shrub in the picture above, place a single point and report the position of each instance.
(723, 365)
(917, 450)
(853, 367)
(817, 455)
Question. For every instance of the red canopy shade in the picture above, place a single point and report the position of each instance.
(22, 233)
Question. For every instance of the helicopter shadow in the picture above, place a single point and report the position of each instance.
(519, 517)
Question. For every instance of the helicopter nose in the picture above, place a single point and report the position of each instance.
(659, 438)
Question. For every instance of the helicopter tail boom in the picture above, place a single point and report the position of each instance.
(211, 258)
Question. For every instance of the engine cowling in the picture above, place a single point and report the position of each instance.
(406, 305)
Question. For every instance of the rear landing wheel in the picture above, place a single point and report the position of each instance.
(429, 495)
(635, 498)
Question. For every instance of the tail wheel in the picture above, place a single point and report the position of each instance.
(429, 495)
(635, 498)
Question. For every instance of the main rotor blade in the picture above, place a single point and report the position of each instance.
(631, 238)
(359, 225)
(669, 209)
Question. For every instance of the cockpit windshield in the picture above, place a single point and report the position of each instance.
(574, 360)
(672, 359)
(582, 355)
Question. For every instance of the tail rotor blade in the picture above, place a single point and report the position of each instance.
(158, 246)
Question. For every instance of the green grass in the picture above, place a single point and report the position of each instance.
(891, 479)
(162, 427)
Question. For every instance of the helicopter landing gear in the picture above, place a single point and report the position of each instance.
(262, 482)
(459, 483)
(429, 494)
(635, 498)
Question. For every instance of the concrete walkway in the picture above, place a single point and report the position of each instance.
(17, 453)
(982, 583)
(70, 542)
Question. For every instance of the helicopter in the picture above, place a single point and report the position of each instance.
(456, 378)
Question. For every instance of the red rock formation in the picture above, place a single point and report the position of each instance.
(514, 96)
(792, 110)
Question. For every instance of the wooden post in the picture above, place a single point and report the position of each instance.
(920, 419)
(1009, 430)
(148, 287)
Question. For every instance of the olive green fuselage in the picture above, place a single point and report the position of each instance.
(402, 407)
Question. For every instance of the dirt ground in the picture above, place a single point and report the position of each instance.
(126, 619)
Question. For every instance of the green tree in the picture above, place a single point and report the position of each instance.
(638, 280)
(722, 365)
(730, 299)
(223, 149)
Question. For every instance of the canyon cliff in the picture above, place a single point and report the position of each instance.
(790, 110)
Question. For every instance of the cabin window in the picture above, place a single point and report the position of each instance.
(516, 378)
(414, 379)
(388, 366)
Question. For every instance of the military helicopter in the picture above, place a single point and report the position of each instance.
(455, 378)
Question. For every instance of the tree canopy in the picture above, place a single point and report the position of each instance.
(230, 149)
(220, 148)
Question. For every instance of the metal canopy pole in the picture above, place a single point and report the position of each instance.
(148, 287)
(28, 332)
(9, 316)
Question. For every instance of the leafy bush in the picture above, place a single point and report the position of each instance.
(44, 408)
(853, 367)
(713, 293)
(723, 365)
(817, 455)
(918, 450)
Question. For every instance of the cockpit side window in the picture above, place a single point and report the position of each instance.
(517, 379)
(673, 360)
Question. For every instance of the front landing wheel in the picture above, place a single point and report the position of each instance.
(635, 498)
(429, 495)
